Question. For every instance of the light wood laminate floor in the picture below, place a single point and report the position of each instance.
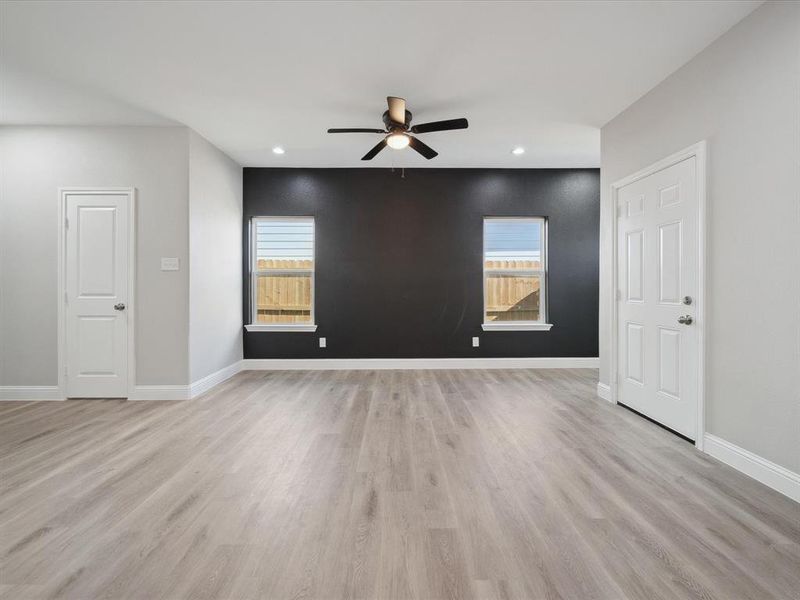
(380, 484)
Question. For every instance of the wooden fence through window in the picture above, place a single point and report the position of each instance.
(285, 295)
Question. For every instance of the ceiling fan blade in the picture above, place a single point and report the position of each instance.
(440, 126)
(355, 130)
(372, 153)
(397, 109)
(422, 148)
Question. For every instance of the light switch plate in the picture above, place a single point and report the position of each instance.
(170, 264)
(476, 342)
(323, 343)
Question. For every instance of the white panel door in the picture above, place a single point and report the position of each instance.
(658, 269)
(96, 278)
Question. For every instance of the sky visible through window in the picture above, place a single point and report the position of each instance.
(512, 240)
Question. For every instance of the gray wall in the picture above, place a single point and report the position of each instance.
(741, 94)
(215, 277)
(34, 163)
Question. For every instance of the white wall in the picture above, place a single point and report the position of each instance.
(34, 163)
(742, 94)
(215, 279)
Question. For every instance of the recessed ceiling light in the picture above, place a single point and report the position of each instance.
(518, 150)
(278, 150)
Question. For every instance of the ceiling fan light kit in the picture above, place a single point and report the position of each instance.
(397, 141)
(398, 127)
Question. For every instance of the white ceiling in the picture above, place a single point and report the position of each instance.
(252, 75)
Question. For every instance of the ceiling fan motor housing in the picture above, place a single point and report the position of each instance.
(391, 125)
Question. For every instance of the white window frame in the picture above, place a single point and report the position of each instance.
(254, 273)
(541, 324)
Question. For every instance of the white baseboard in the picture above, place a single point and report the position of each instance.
(141, 392)
(185, 392)
(30, 392)
(775, 476)
(160, 392)
(293, 364)
(206, 383)
(604, 391)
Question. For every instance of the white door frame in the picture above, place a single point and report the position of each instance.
(699, 151)
(130, 301)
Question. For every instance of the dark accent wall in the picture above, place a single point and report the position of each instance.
(399, 260)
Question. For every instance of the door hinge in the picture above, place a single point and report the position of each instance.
(66, 298)
(66, 223)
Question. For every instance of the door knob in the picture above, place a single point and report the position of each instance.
(685, 320)
(119, 306)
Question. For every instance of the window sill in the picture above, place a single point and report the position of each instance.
(280, 328)
(516, 326)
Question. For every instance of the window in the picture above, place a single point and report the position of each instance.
(514, 274)
(282, 274)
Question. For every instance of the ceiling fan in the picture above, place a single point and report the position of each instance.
(398, 127)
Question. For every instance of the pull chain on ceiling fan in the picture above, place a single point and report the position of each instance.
(398, 127)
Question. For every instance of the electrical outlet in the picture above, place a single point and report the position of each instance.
(323, 343)
(476, 341)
